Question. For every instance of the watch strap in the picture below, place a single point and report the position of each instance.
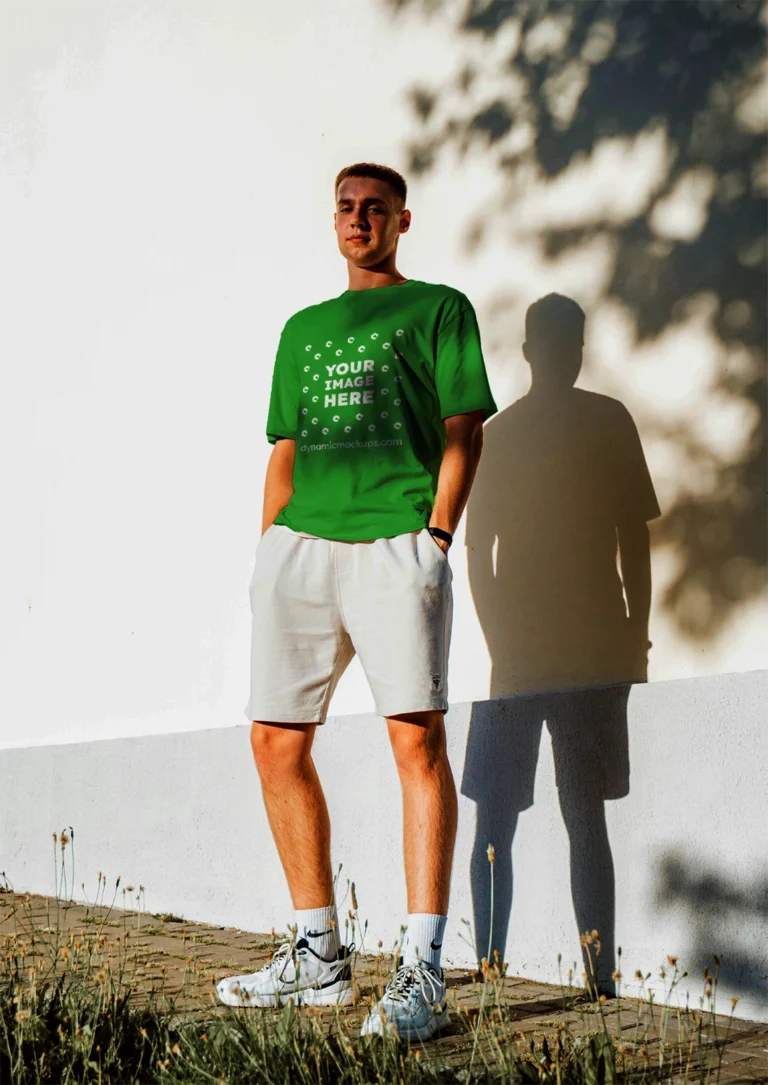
(440, 534)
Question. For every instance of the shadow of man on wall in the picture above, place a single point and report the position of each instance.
(562, 490)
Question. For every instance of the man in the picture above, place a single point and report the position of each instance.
(376, 413)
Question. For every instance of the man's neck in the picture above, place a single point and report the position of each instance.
(364, 278)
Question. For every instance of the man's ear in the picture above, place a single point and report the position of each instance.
(405, 220)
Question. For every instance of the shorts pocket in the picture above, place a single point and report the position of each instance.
(435, 556)
(433, 542)
(263, 549)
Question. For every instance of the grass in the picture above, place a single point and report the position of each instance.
(72, 1011)
(67, 1030)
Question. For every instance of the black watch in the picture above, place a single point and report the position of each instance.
(438, 533)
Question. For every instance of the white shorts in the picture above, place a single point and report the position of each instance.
(315, 602)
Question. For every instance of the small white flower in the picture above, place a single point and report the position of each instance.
(385, 391)
(351, 339)
(360, 349)
(384, 414)
(304, 432)
(314, 399)
(336, 418)
(386, 346)
(359, 417)
(338, 352)
(317, 377)
(399, 331)
(305, 390)
(398, 378)
(303, 410)
(306, 369)
(385, 369)
(397, 425)
(329, 343)
(325, 430)
(371, 426)
(317, 356)
(308, 346)
(396, 402)
(314, 421)
(375, 335)
(347, 429)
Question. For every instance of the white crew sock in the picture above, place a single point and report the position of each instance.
(320, 927)
(424, 939)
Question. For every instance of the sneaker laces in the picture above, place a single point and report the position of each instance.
(287, 951)
(407, 977)
(279, 958)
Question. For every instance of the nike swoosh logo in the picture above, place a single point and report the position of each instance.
(289, 986)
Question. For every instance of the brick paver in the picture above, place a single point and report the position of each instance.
(184, 960)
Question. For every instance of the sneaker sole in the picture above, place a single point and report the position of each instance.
(418, 1032)
(324, 996)
(337, 994)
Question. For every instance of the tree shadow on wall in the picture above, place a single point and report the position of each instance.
(721, 916)
(552, 84)
(562, 486)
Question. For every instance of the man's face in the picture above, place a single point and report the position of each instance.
(368, 220)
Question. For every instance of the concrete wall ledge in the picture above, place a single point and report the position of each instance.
(657, 789)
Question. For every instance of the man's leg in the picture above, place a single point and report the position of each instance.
(398, 608)
(296, 809)
(429, 829)
(413, 1004)
(429, 808)
(316, 969)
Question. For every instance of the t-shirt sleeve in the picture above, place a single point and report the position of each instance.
(282, 417)
(636, 497)
(460, 377)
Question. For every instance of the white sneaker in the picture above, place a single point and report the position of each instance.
(413, 1006)
(295, 974)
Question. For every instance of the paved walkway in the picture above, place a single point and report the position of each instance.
(184, 960)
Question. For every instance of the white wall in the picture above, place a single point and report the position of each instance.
(167, 199)
(182, 816)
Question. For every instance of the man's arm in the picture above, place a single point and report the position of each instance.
(464, 444)
(635, 558)
(278, 485)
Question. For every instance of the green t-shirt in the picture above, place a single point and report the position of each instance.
(362, 383)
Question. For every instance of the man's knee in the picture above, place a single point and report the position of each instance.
(418, 742)
(279, 749)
